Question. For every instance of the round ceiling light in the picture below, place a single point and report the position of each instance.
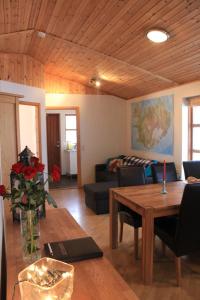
(157, 35)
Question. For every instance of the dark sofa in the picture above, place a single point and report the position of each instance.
(97, 194)
(102, 174)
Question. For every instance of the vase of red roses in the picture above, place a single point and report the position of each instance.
(27, 195)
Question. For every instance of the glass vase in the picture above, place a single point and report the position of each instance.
(30, 234)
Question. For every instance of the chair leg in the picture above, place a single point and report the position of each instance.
(121, 230)
(154, 243)
(163, 248)
(178, 270)
(136, 235)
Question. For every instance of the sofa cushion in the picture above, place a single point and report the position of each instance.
(97, 196)
(110, 159)
(106, 176)
(140, 162)
(114, 164)
(99, 190)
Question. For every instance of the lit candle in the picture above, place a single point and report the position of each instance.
(164, 170)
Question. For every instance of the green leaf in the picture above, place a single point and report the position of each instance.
(51, 201)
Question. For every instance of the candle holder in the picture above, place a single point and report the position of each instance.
(46, 279)
(164, 191)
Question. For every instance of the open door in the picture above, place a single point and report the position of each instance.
(53, 140)
(9, 134)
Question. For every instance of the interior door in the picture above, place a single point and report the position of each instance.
(8, 135)
(53, 140)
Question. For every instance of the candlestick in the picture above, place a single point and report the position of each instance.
(164, 191)
(164, 170)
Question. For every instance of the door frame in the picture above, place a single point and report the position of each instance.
(38, 123)
(12, 99)
(77, 109)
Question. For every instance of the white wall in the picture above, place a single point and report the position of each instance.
(180, 93)
(1, 220)
(63, 145)
(102, 127)
(28, 134)
(30, 94)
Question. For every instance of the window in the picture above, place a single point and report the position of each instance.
(194, 131)
(71, 131)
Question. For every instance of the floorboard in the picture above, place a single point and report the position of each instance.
(65, 182)
(164, 286)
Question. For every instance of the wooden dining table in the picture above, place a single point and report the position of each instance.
(148, 201)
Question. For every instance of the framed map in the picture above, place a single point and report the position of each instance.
(152, 125)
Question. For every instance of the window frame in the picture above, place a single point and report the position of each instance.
(193, 103)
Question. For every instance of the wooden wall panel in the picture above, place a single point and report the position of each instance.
(57, 84)
(22, 69)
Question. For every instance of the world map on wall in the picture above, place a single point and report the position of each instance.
(152, 125)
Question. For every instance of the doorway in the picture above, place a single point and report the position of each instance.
(65, 137)
(15, 134)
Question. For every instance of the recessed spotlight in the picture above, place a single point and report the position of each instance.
(157, 35)
(95, 82)
(98, 83)
(41, 34)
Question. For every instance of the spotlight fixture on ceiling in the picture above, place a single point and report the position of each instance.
(96, 82)
(41, 34)
(157, 35)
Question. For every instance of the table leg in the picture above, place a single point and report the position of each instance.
(113, 221)
(147, 245)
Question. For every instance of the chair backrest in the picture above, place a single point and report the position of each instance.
(130, 175)
(191, 168)
(157, 172)
(187, 237)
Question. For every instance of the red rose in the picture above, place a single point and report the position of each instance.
(17, 168)
(29, 172)
(34, 161)
(2, 190)
(40, 167)
(24, 199)
(55, 173)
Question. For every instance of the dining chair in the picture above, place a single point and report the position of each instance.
(181, 234)
(128, 176)
(157, 172)
(191, 168)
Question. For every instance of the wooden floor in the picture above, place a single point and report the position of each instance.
(65, 182)
(164, 287)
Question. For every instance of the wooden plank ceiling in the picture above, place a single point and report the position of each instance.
(106, 38)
